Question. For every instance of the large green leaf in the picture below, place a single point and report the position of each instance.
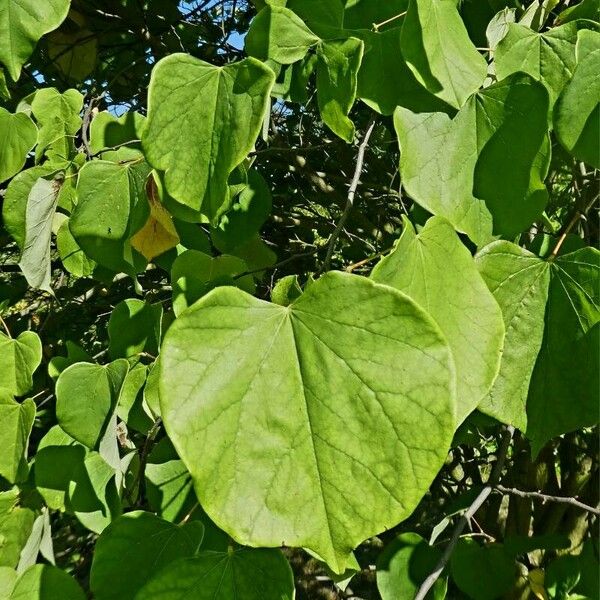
(437, 271)
(549, 57)
(22, 24)
(112, 205)
(577, 112)
(403, 566)
(202, 122)
(519, 281)
(16, 421)
(308, 425)
(337, 71)
(563, 393)
(19, 358)
(279, 34)
(58, 120)
(437, 48)
(46, 582)
(551, 310)
(86, 397)
(18, 133)
(149, 543)
(466, 170)
(39, 213)
(242, 574)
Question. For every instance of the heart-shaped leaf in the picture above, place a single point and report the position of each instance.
(309, 425)
(19, 358)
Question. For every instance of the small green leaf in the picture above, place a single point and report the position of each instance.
(286, 290)
(134, 327)
(112, 205)
(107, 130)
(241, 574)
(194, 274)
(8, 578)
(437, 48)
(149, 543)
(18, 133)
(403, 566)
(438, 272)
(58, 119)
(16, 422)
(202, 122)
(549, 57)
(577, 112)
(86, 397)
(19, 358)
(279, 34)
(337, 71)
(72, 256)
(46, 582)
(469, 560)
(22, 24)
(335, 423)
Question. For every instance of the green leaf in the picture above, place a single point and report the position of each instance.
(19, 358)
(14, 209)
(279, 34)
(149, 543)
(286, 290)
(45, 582)
(86, 397)
(519, 281)
(324, 17)
(57, 459)
(16, 422)
(403, 566)
(131, 408)
(92, 493)
(39, 542)
(586, 9)
(548, 57)
(498, 27)
(15, 526)
(562, 575)
(194, 274)
(577, 111)
(39, 214)
(8, 578)
(245, 218)
(202, 122)
(562, 394)
(242, 574)
(169, 487)
(337, 71)
(466, 170)
(437, 271)
(437, 48)
(384, 79)
(72, 256)
(469, 560)
(134, 327)
(332, 423)
(18, 133)
(107, 130)
(112, 205)
(22, 24)
(75, 353)
(58, 119)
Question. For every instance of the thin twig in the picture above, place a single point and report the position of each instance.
(468, 514)
(116, 147)
(574, 220)
(5, 327)
(547, 498)
(367, 260)
(360, 158)
(141, 474)
(377, 26)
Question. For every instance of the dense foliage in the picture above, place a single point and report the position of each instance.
(299, 298)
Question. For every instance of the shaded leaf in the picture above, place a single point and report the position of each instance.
(134, 327)
(46, 582)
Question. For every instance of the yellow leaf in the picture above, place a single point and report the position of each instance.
(536, 584)
(158, 234)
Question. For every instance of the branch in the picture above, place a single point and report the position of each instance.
(360, 159)
(547, 498)
(468, 515)
(574, 220)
